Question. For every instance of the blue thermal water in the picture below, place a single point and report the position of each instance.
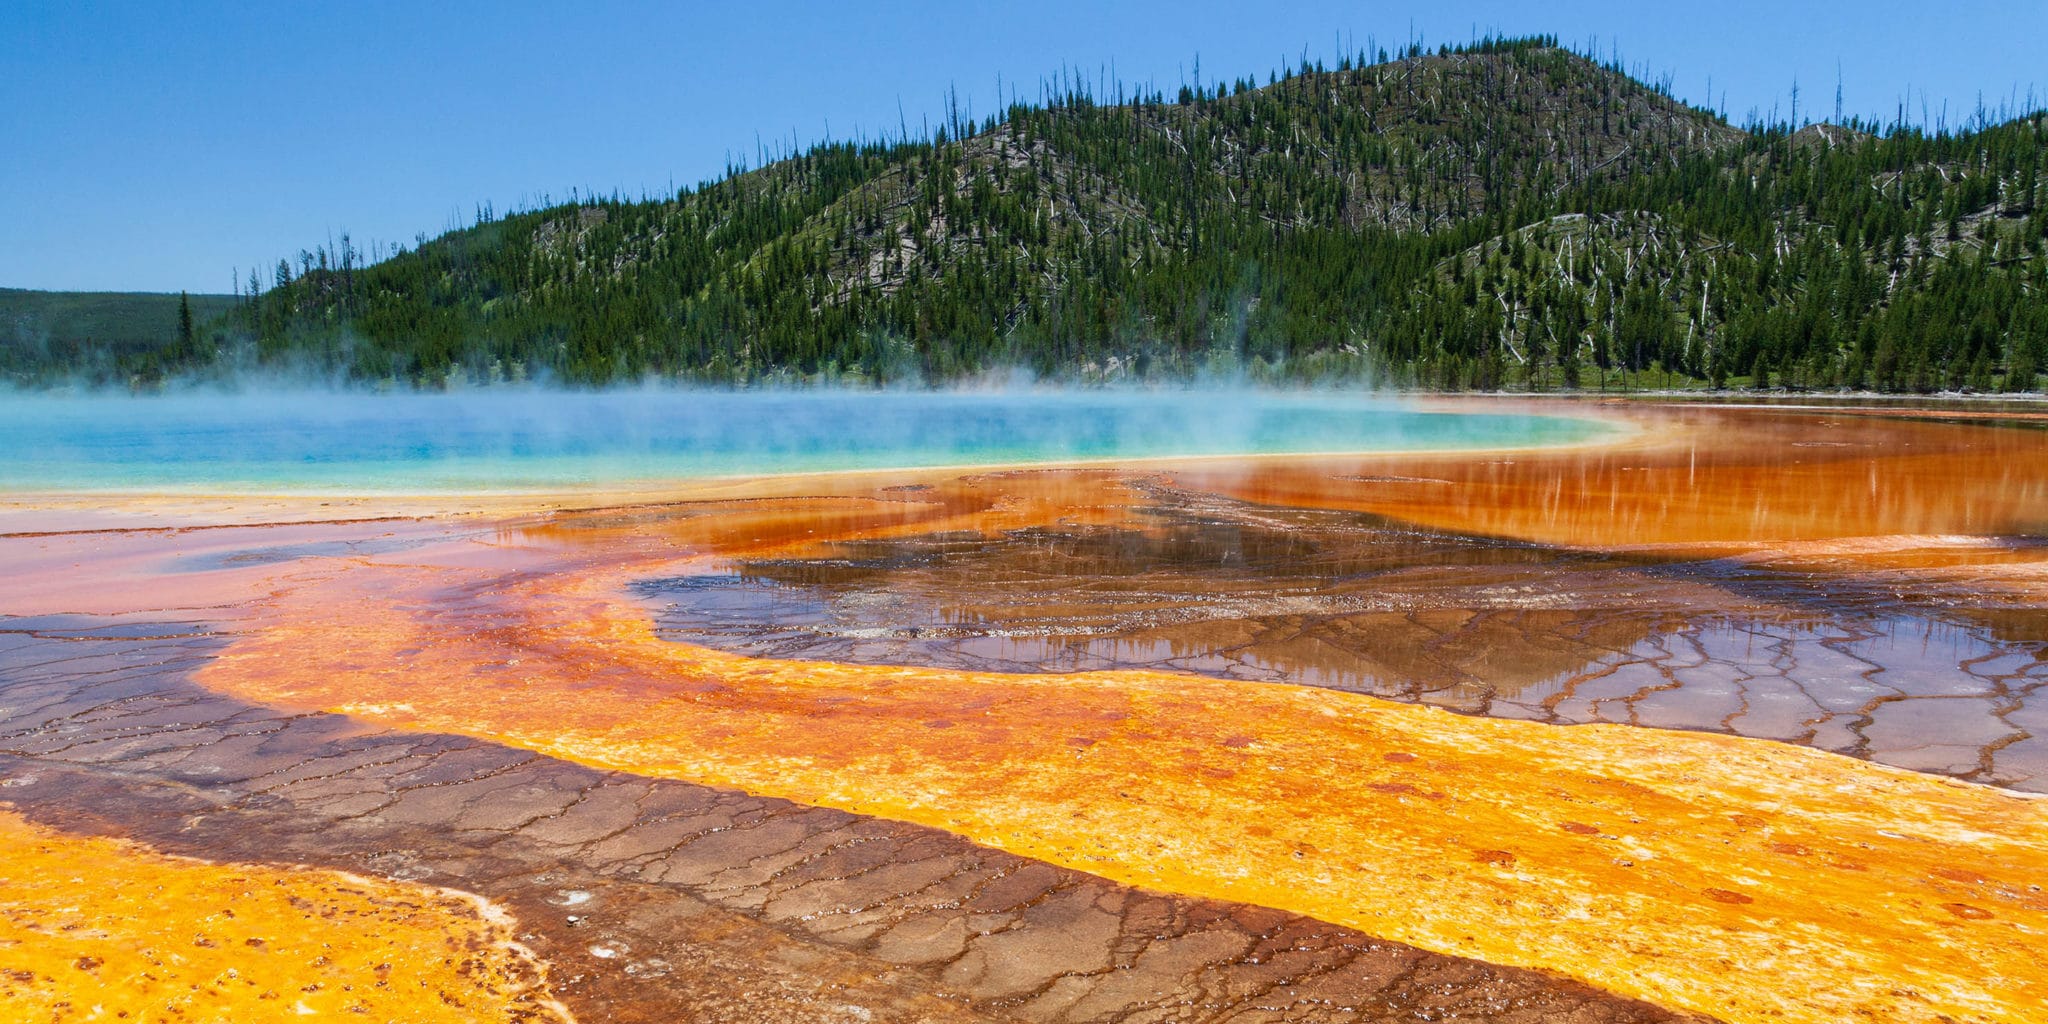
(353, 443)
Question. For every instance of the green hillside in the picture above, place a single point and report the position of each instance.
(1508, 214)
(96, 335)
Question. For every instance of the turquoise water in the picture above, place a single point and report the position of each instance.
(344, 443)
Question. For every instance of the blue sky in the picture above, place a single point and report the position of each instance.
(151, 146)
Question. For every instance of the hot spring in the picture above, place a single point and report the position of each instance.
(344, 443)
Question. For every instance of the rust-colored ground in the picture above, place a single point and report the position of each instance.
(657, 900)
(1667, 866)
(99, 929)
(1738, 878)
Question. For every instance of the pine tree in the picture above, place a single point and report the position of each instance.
(186, 348)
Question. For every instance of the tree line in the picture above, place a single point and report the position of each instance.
(1507, 214)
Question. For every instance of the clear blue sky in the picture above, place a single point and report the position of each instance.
(153, 146)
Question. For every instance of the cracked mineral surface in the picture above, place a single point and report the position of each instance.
(1197, 584)
(1490, 736)
(649, 898)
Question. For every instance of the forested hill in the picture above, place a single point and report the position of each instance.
(98, 335)
(1503, 215)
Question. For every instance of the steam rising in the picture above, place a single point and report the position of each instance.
(326, 442)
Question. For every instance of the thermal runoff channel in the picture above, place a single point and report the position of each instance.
(341, 443)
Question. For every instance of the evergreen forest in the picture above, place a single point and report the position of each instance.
(1505, 215)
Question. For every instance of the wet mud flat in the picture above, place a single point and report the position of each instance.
(1110, 744)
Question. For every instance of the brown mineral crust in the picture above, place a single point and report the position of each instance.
(656, 900)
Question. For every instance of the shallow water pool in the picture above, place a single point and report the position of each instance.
(324, 442)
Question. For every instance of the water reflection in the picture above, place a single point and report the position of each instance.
(1353, 601)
